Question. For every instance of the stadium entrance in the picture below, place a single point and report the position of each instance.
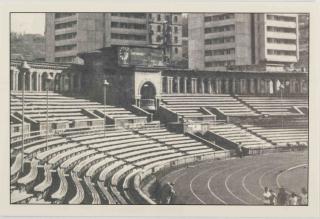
(148, 94)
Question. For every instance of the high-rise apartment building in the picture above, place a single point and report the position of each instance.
(68, 34)
(219, 40)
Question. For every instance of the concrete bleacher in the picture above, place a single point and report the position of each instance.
(275, 106)
(64, 108)
(278, 135)
(189, 105)
(236, 135)
(96, 166)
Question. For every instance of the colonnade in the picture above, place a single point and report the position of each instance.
(233, 85)
(35, 81)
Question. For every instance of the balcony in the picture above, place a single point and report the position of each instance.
(129, 31)
(66, 19)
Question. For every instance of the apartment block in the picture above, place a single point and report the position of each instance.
(220, 40)
(68, 34)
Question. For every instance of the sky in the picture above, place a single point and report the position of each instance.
(28, 23)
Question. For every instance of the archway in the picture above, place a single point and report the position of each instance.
(34, 81)
(44, 77)
(148, 95)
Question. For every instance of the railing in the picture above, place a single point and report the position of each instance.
(148, 104)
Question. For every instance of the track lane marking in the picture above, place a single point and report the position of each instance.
(244, 184)
(287, 170)
(195, 177)
(227, 187)
(210, 190)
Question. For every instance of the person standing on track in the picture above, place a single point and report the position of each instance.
(273, 197)
(282, 197)
(266, 196)
(293, 199)
(303, 197)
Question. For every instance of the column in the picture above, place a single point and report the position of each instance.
(178, 84)
(30, 81)
(274, 81)
(202, 86)
(224, 81)
(71, 86)
(168, 85)
(13, 80)
(258, 86)
(233, 85)
(251, 86)
(217, 86)
(17, 80)
(301, 90)
(40, 82)
(79, 82)
(61, 83)
(185, 87)
(209, 85)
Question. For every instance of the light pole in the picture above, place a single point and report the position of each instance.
(24, 67)
(105, 84)
(48, 80)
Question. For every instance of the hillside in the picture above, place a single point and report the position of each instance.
(27, 46)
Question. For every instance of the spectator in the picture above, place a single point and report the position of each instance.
(273, 197)
(303, 197)
(282, 197)
(293, 199)
(266, 196)
(240, 150)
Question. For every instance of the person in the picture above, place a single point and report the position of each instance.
(266, 196)
(273, 197)
(303, 197)
(293, 199)
(282, 197)
(240, 151)
(167, 193)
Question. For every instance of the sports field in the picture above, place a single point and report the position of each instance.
(240, 181)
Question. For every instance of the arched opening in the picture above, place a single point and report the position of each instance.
(20, 80)
(57, 82)
(271, 86)
(148, 94)
(44, 77)
(34, 81)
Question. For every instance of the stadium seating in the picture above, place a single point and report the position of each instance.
(189, 105)
(275, 106)
(236, 134)
(62, 108)
(280, 136)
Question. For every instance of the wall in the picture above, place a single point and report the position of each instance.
(196, 41)
(49, 35)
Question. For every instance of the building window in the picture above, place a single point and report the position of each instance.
(65, 48)
(281, 18)
(219, 17)
(66, 25)
(219, 28)
(130, 15)
(175, 39)
(281, 52)
(66, 36)
(175, 19)
(176, 50)
(281, 29)
(16, 129)
(220, 52)
(65, 59)
(128, 37)
(219, 40)
(158, 39)
(281, 41)
(158, 28)
(220, 63)
(176, 29)
(158, 17)
(62, 15)
(128, 25)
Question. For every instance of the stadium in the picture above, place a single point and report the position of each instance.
(122, 125)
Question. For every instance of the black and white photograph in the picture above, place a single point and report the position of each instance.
(159, 108)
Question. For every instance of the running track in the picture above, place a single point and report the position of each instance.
(239, 181)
